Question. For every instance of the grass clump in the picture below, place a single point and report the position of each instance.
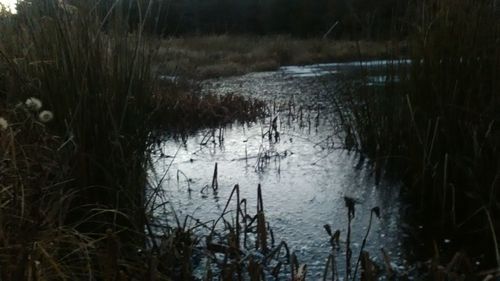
(188, 110)
(439, 126)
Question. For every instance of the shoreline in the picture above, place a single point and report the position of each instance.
(205, 57)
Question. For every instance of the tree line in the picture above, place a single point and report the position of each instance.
(351, 19)
(369, 19)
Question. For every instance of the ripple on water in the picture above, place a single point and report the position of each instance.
(303, 188)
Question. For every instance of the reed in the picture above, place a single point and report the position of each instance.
(80, 111)
(99, 85)
(435, 123)
(183, 109)
(85, 96)
(367, 267)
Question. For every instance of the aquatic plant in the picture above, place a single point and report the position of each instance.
(183, 109)
(363, 263)
(224, 248)
(436, 125)
(75, 199)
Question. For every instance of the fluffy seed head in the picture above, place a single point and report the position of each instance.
(33, 104)
(45, 116)
(3, 124)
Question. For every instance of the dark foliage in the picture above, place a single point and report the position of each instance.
(302, 18)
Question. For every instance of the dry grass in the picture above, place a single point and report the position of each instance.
(438, 127)
(40, 239)
(72, 191)
(73, 200)
(224, 55)
(184, 109)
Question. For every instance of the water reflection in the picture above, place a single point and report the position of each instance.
(304, 175)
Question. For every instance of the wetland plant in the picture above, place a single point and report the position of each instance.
(368, 267)
(75, 201)
(438, 126)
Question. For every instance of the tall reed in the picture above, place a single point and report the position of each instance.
(437, 123)
(94, 76)
(73, 191)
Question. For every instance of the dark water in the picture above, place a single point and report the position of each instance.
(306, 175)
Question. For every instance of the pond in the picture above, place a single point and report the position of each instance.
(303, 171)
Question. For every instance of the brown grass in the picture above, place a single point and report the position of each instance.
(72, 191)
(183, 108)
(225, 55)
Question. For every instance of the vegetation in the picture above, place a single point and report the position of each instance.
(439, 126)
(79, 107)
(74, 187)
(82, 107)
(203, 57)
(181, 108)
(355, 19)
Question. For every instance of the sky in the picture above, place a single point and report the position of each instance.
(9, 3)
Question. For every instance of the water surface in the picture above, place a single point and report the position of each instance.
(306, 175)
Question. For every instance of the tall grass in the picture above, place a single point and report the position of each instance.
(73, 200)
(99, 86)
(75, 186)
(439, 126)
